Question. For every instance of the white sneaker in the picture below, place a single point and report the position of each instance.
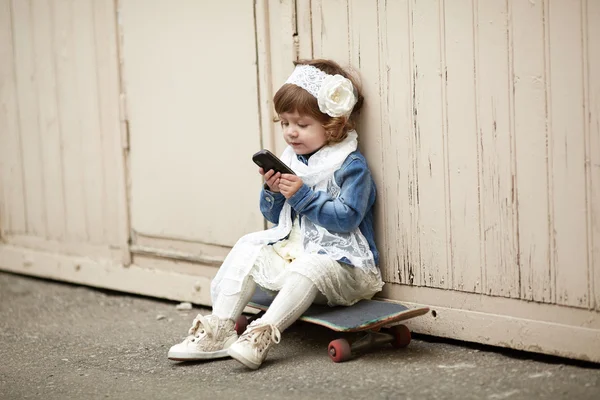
(252, 347)
(209, 337)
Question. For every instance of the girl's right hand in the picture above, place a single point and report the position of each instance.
(271, 178)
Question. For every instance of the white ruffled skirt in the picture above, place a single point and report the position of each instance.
(339, 283)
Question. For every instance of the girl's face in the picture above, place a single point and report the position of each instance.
(305, 134)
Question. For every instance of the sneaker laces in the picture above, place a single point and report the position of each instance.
(261, 334)
(199, 321)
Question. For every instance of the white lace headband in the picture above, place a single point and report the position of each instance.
(334, 93)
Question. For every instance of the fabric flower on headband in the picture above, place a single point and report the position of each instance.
(334, 93)
(336, 96)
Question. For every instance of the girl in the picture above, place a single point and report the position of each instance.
(322, 248)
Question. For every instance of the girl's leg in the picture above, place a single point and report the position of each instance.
(231, 306)
(211, 336)
(297, 294)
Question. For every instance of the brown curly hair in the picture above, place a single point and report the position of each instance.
(290, 98)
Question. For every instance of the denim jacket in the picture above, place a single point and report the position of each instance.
(352, 208)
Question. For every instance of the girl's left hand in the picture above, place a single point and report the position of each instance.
(289, 184)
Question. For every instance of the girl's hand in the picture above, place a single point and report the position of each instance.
(272, 179)
(289, 184)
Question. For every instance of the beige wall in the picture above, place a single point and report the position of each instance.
(481, 126)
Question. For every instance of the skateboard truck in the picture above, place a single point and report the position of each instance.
(341, 350)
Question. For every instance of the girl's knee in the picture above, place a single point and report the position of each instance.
(296, 277)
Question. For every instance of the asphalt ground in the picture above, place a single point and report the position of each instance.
(62, 341)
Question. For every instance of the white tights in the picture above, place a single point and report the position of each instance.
(296, 295)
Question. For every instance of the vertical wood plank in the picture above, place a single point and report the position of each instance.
(113, 191)
(304, 29)
(364, 62)
(429, 163)
(265, 76)
(409, 267)
(591, 17)
(463, 157)
(568, 153)
(91, 136)
(13, 208)
(499, 212)
(549, 146)
(331, 30)
(27, 82)
(444, 95)
(282, 48)
(529, 87)
(49, 128)
(365, 59)
(69, 115)
(399, 250)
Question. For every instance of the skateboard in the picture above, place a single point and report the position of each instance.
(372, 318)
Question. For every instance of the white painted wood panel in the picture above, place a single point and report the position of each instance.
(591, 16)
(13, 216)
(27, 89)
(282, 53)
(86, 78)
(496, 148)
(48, 128)
(63, 130)
(193, 117)
(395, 228)
(429, 178)
(365, 61)
(463, 148)
(567, 138)
(330, 30)
(116, 228)
(304, 28)
(265, 89)
(69, 120)
(468, 88)
(528, 83)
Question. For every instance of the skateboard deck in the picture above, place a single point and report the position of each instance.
(364, 315)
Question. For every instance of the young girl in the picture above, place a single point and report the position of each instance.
(322, 248)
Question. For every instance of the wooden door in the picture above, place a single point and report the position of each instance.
(191, 99)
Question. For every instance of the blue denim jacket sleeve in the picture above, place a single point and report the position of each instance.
(344, 213)
(271, 204)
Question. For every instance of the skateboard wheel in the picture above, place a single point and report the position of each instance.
(339, 350)
(240, 324)
(401, 336)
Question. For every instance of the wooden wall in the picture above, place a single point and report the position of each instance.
(61, 161)
(482, 128)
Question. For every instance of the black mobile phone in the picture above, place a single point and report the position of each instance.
(267, 160)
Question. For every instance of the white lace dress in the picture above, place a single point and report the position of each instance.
(340, 283)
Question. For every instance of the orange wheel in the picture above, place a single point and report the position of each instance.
(240, 324)
(401, 336)
(339, 350)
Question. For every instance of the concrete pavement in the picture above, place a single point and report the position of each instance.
(61, 341)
